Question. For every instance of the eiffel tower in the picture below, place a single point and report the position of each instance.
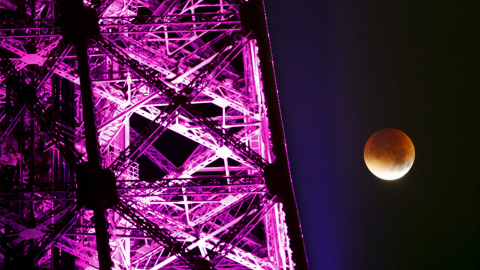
(142, 134)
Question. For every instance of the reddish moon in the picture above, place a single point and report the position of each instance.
(389, 154)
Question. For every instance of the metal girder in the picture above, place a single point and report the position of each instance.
(50, 228)
(26, 93)
(155, 156)
(185, 66)
(252, 216)
(144, 140)
(203, 187)
(64, 219)
(180, 101)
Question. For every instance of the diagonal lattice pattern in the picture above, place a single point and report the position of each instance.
(181, 121)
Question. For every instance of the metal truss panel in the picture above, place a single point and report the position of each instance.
(178, 95)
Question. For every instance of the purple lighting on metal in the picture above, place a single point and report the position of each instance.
(175, 101)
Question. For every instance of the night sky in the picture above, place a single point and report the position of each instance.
(346, 69)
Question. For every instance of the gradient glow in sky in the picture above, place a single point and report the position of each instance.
(346, 69)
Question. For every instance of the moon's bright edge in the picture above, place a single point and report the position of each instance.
(389, 154)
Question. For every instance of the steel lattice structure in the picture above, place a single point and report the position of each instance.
(183, 125)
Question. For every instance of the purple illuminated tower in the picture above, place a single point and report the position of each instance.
(142, 134)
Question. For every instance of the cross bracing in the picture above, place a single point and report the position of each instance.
(181, 124)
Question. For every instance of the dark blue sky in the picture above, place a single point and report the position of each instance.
(348, 68)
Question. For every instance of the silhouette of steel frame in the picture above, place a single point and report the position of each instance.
(199, 69)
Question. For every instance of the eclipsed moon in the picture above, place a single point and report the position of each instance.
(389, 154)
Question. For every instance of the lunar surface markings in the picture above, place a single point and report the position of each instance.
(389, 154)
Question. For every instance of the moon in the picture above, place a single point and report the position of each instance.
(389, 154)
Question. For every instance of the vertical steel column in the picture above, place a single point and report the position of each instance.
(200, 76)
(92, 151)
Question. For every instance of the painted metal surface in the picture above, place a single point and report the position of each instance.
(168, 77)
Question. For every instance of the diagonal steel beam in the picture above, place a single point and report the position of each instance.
(182, 99)
(155, 156)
